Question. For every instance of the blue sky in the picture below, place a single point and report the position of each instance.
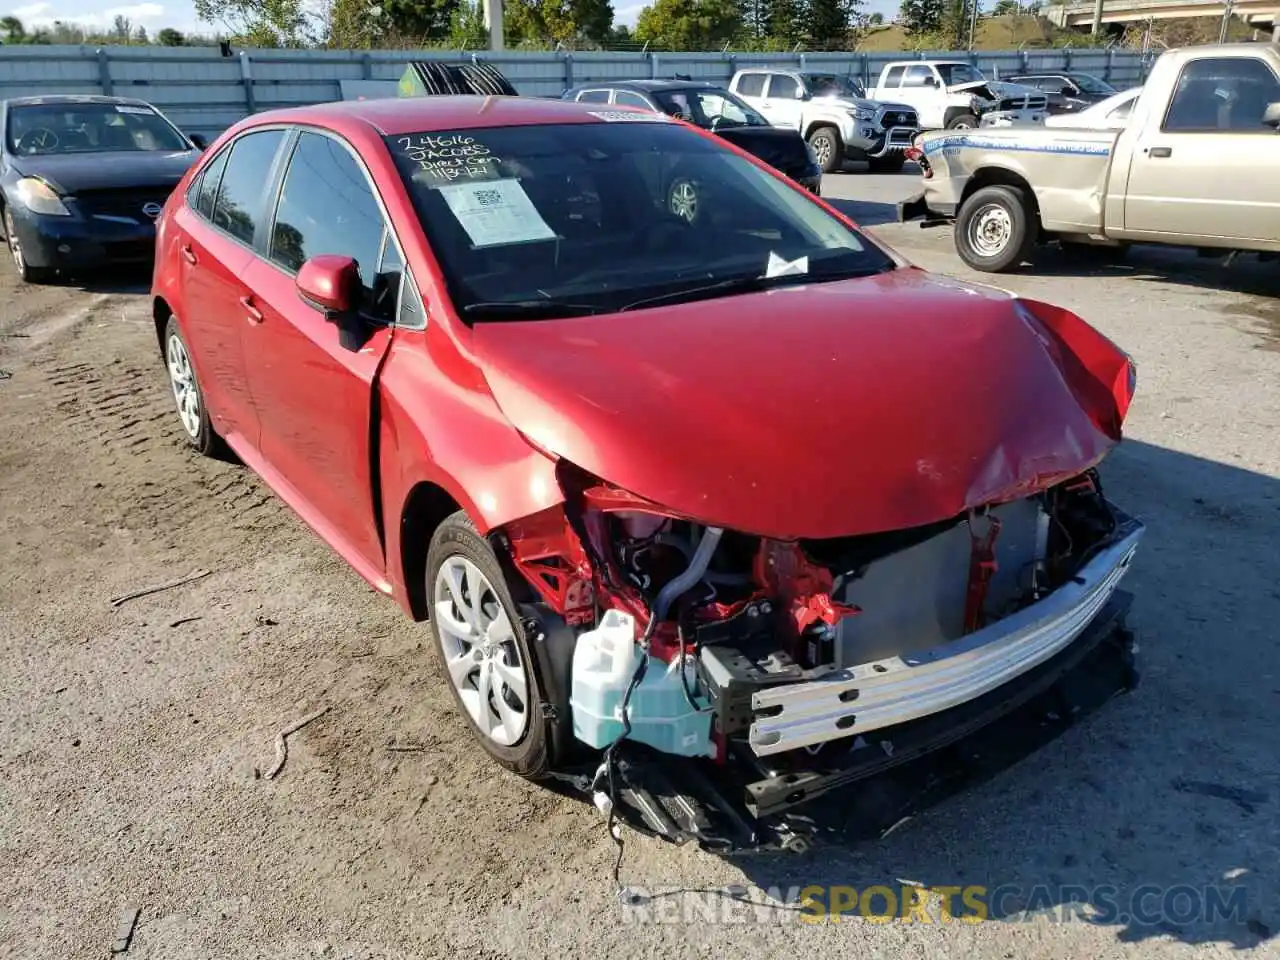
(180, 14)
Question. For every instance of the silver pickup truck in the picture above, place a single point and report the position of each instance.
(1197, 165)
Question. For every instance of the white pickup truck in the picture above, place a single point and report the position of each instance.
(1197, 165)
(833, 114)
(953, 95)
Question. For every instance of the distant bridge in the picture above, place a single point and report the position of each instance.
(1263, 13)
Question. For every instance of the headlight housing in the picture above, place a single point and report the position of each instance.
(862, 113)
(38, 197)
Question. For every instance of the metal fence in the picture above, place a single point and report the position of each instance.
(204, 92)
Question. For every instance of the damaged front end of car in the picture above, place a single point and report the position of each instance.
(720, 685)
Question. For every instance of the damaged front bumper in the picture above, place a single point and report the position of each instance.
(748, 804)
(888, 692)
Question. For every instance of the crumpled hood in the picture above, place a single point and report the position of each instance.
(827, 410)
(995, 89)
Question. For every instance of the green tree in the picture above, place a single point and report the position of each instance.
(828, 23)
(1004, 8)
(466, 27)
(689, 24)
(559, 21)
(876, 19)
(786, 21)
(418, 21)
(13, 30)
(169, 37)
(259, 23)
(140, 35)
(920, 17)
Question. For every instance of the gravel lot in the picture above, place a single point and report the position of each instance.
(129, 736)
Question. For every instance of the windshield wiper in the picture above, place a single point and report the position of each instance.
(748, 284)
(526, 309)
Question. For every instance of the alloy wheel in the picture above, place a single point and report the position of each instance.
(183, 380)
(481, 655)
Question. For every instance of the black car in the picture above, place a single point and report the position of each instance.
(716, 109)
(82, 180)
(1067, 92)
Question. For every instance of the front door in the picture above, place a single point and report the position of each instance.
(314, 386)
(1207, 168)
(215, 236)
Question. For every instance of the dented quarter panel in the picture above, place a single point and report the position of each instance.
(1067, 169)
(877, 404)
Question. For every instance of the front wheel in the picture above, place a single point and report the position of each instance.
(483, 649)
(26, 272)
(993, 229)
(965, 121)
(827, 148)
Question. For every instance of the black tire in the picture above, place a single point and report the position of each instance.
(205, 440)
(26, 272)
(530, 756)
(994, 230)
(893, 163)
(826, 144)
(963, 121)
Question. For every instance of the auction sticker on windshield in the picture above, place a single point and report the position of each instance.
(496, 213)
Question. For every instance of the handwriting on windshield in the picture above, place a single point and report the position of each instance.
(450, 157)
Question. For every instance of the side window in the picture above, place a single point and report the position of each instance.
(1122, 112)
(782, 87)
(751, 85)
(627, 98)
(894, 77)
(916, 76)
(593, 96)
(1222, 94)
(241, 201)
(206, 189)
(327, 206)
(412, 313)
(386, 284)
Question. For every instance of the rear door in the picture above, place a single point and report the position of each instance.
(315, 388)
(782, 105)
(217, 224)
(1208, 167)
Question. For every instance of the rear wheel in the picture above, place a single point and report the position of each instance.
(826, 146)
(993, 231)
(187, 394)
(483, 650)
(26, 272)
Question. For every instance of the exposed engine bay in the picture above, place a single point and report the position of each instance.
(774, 664)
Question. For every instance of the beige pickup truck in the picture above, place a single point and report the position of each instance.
(1197, 165)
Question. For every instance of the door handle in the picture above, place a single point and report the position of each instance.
(255, 315)
(188, 254)
(1161, 153)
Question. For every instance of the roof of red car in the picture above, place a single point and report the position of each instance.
(394, 116)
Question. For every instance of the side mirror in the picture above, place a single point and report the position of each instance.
(930, 81)
(331, 284)
(200, 142)
(1271, 116)
(1069, 91)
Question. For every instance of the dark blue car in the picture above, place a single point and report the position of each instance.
(82, 180)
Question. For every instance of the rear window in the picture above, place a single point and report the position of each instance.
(59, 128)
(595, 216)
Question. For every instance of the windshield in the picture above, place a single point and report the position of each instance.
(558, 220)
(832, 85)
(1090, 84)
(954, 73)
(709, 108)
(53, 128)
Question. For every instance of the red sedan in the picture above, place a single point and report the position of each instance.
(722, 487)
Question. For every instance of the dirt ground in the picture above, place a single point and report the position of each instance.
(132, 738)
